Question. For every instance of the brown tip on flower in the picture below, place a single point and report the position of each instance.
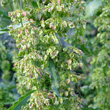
(82, 8)
(68, 81)
(31, 20)
(50, 95)
(9, 14)
(31, 75)
(24, 13)
(39, 71)
(28, 19)
(58, 1)
(14, 64)
(69, 62)
(20, 32)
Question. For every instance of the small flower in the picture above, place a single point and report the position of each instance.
(59, 8)
(82, 8)
(51, 8)
(50, 95)
(64, 23)
(54, 27)
(50, 25)
(69, 62)
(80, 52)
(39, 71)
(24, 13)
(9, 14)
(58, 1)
(31, 75)
(31, 20)
(68, 81)
(22, 41)
(82, 1)
(14, 64)
(66, 93)
(42, 23)
(26, 31)
(18, 14)
(56, 53)
(46, 101)
(20, 32)
(71, 25)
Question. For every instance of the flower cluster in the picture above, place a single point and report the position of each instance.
(47, 57)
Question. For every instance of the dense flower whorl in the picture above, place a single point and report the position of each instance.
(47, 57)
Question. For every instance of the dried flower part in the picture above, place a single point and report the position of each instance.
(68, 81)
(65, 24)
(40, 71)
(71, 25)
(50, 95)
(69, 62)
(66, 93)
(58, 1)
(24, 13)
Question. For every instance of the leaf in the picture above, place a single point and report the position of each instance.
(92, 6)
(4, 30)
(7, 29)
(71, 33)
(54, 77)
(19, 25)
(34, 4)
(84, 49)
(62, 41)
(21, 101)
(4, 14)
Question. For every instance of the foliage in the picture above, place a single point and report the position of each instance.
(101, 60)
(57, 44)
(4, 19)
(22, 100)
(97, 61)
(7, 96)
(89, 8)
(5, 62)
(6, 83)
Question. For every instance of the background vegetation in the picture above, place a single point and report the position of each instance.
(54, 54)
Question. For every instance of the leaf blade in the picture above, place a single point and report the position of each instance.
(22, 100)
(92, 6)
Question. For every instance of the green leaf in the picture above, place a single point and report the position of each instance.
(7, 29)
(4, 14)
(92, 7)
(84, 49)
(54, 77)
(22, 100)
(4, 30)
(19, 25)
(62, 41)
(34, 4)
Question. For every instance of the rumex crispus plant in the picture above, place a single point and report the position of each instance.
(48, 55)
